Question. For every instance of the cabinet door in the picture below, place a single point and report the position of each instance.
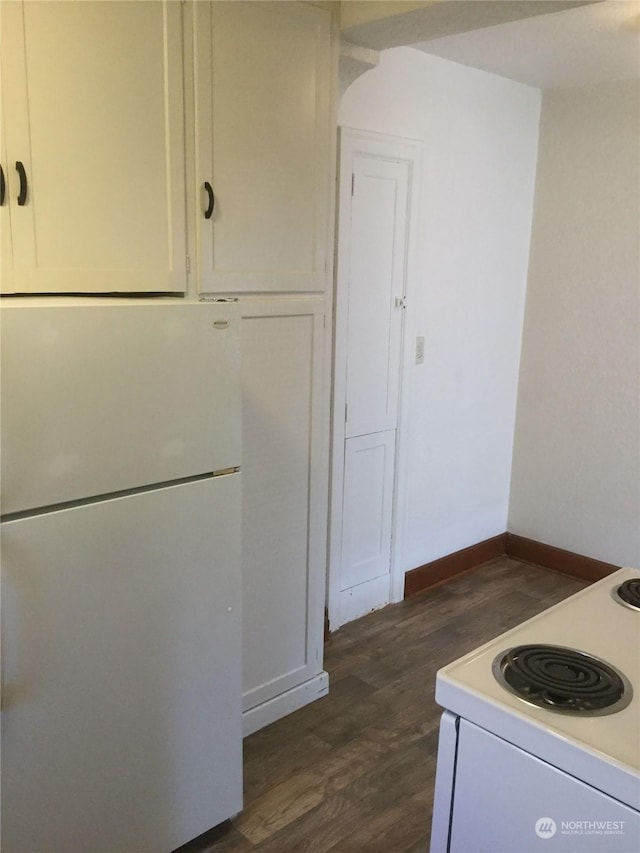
(263, 144)
(284, 499)
(6, 258)
(93, 102)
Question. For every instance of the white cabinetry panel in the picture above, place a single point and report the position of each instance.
(93, 103)
(284, 504)
(6, 251)
(368, 504)
(263, 82)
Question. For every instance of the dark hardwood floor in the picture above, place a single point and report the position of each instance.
(354, 771)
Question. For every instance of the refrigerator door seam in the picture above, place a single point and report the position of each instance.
(138, 490)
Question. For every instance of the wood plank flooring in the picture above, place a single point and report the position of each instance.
(354, 771)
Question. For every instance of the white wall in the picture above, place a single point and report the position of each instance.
(480, 136)
(576, 470)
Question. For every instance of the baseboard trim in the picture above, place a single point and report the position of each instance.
(550, 557)
(505, 545)
(439, 571)
(273, 709)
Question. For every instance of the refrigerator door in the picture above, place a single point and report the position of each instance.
(121, 702)
(101, 396)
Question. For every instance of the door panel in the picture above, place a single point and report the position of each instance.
(376, 281)
(368, 494)
(379, 181)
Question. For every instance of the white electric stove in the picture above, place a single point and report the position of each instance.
(539, 746)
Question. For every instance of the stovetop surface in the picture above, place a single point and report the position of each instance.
(604, 748)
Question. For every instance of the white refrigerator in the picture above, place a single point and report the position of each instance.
(121, 633)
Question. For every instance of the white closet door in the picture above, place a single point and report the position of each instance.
(262, 114)
(376, 288)
(377, 183)
(93, 102)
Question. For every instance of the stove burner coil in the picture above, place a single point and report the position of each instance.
(628, 593)
(563, 680)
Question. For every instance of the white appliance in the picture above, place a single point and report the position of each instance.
(524, 765)
(121, 695)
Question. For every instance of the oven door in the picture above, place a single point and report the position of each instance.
(503, 800)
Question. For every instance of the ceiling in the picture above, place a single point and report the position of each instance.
(575, 47)
(552, 44)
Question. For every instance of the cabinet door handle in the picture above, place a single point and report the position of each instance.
(3, 186)
(22, 195)
(209, 190)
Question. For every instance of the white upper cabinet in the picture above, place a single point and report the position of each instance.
(263, 143)
(94, 146)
